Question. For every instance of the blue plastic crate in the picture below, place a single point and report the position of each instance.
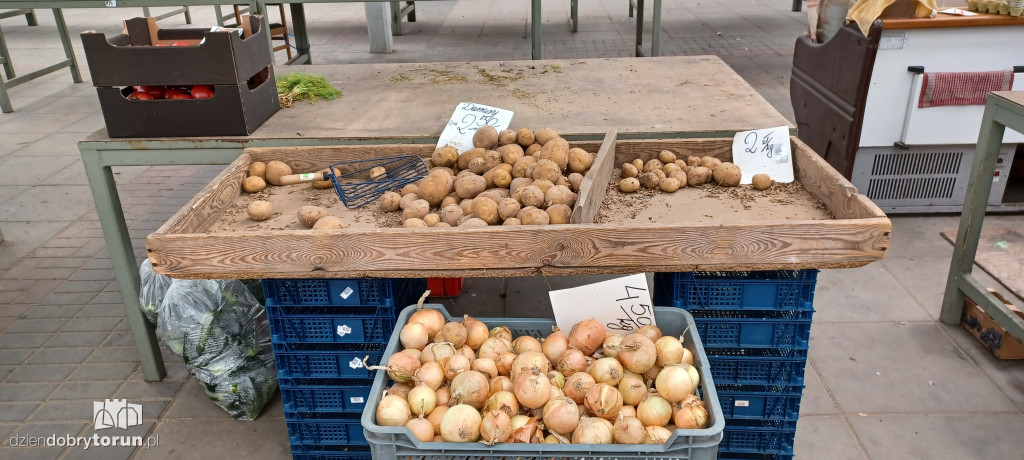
(760, 402)
(754, 328)
(308, 429)
(304, 452)
(325, 360)
(772, 437)
(758, 366)
(325, 395)
(756, 290)
(750, 456)
(328, 324)
(337, 292)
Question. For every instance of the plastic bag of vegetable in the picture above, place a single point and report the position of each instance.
(152, 289)
(222, 334)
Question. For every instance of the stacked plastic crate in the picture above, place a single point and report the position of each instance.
(322, 330)
(755, 327)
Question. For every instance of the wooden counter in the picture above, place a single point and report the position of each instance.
(941, 21)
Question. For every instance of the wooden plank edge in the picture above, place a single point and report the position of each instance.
(850, 204)
(595, 183)
(178, 223)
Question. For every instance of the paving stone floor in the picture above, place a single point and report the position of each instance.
(886, 380)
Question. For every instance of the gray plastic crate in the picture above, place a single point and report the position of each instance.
(398, 442)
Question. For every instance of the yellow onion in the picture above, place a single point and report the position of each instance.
(438, 352)
(504, 401)
(444, 396)
(606, 370)
(422, 400)
(461, 423)
(690, 417)
(501, 383)
(468, 352)
(610, 347)
(502, 332)
(632, 388)
(495, 426)
(532, 389)
(432, 319)
(519, 421)
(637, 353)
(529, 361)
(526, 343)
(561, 415)
(392, 411)
(603, 400)
(692, 399)
(430, 374)
(414, 336)
(555, 344)
(577, 385)
(557, 380)
(504, 363)
(555, 438)
(435, 418)
(401, 367)
(438, 438)
(650, 331)
(687, 356)
(587, 336)
(669, 351)
(652, 374)
(593, 430)
(692, 372)
(476, 332)
(421, 428)
(628, 430)
(530, 432)
(414, 352)
(485, 366)
(400, 389)
(454, 333)
(674, 383)
(470, 388)
(492, 348)
(628, 411)
(654, 411)
(456, 365)
(571, 362)
(657, 435)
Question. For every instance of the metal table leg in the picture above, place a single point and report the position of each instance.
(535, 18)
(575, 14)
(62, 30)
(639, 6)
(656, 28)
(302, 51)
(5, 57)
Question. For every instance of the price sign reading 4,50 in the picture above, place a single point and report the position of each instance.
(635, 313)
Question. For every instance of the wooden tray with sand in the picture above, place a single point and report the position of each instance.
(819, 221)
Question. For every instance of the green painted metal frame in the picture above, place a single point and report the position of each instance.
(638, 6)
(70, 62)
(183, 10)
(1000, 113)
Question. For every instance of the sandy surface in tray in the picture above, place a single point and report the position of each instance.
(711, 203)
(287, 200)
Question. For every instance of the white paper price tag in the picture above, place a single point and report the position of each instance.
(110, 3)
(763, 151)
(742, 403)
(347, 292)
(356, 400)
(621, 304)
(469, 117)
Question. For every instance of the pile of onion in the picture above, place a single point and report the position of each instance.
(460, 381)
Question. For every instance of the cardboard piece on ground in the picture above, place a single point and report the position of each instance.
(1000, 254)
(993, 336)
(622, 304)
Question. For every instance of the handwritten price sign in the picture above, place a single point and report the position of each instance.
(763, 151)
(469, 117)
(623, 304)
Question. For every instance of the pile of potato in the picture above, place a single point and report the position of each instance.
(509, 178)
(261, 174)
(669, 173)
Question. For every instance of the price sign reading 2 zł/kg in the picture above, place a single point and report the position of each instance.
(763, 151)
(469, 117)
(623, 305)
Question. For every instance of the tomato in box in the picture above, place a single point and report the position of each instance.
(176, 94)
(138, 95)
(202, 92)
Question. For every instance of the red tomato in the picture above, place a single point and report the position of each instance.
(202, 92)
(156, 91)
(139, 96)
(160, 44)
(176, 94)
(181, 44)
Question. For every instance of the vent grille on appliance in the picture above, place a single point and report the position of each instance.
(911, 188)
(917, 163)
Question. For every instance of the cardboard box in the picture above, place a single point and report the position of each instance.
(990, 333)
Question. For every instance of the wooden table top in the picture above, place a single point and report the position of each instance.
(699, 95)
(942, 21)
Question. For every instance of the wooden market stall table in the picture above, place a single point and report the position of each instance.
(667, 97)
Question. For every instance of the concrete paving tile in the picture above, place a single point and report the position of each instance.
(36, 325)
(115, 452)
(82, 286)
(59, 203)
(149, 390)
(67, 298)
(120, 338)
(80, 410)
(10, 340)
(90, 324)
(114, 355)
(179, 439)
(916, 236)
(840, 296)
(40, 122)
(16, 412)
(77, 339)
(31, 453)
(39, 373)
(815, 400)
(27, 170)
(479, 297)
(47, 428)
(1007, 374)
(16, 356)
(5, 320)
(528, 296)
(192, 402)
(825, 437)
(86, 390)
(104, 371)
(25, 391)
(60, 355)
(918, 367)
(100, 310)
(21, 237)
(941, 436)
(52, 311)
(14, 141)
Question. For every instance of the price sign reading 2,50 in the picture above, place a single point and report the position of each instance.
(752, 145)
(477, 118)
(634, 315)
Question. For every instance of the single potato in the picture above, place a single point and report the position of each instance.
(260, 210)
